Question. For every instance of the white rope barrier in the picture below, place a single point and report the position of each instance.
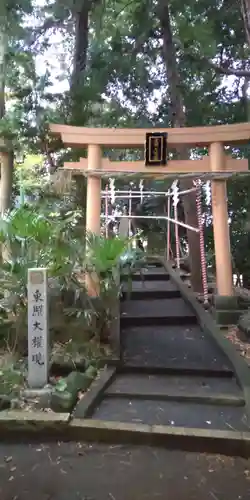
(173, 194)
(157, 217)
(138, 194)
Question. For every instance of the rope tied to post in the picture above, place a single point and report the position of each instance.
(198, 185)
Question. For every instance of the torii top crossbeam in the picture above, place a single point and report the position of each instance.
(82, 137)
(238, 133)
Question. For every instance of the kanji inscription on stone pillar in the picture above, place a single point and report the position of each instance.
(38, 342)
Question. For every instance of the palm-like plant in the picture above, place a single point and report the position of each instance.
(103, 254)
(32, 240)
(106, 256)
(105, 259)
(28, 240)
(35, 240)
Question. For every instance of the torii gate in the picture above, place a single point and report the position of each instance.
(217, 165)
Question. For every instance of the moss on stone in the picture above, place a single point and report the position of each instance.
(65, 393)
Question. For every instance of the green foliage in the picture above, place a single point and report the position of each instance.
(104, 260)
(104, 254)
(123, 83)
(31, 239)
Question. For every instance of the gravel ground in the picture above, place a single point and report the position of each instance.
(239, 340)
(79, 471)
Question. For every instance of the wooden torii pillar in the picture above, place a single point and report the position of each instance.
(213, 137)
(93, 208)
(223, 260)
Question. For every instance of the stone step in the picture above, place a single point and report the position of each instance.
(154, 262)
(147, 274)
(221, 398)
(172, 413)
(213, 389)
(179, 347)
(156, 312)
(153, 369)
(150, 290)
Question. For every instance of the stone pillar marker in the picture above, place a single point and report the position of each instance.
(38, 341)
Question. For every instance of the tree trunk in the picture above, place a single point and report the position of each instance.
(245, 10)
(245, 98)
(178, 120)
(81, 15)
(81, 44)
(6, 158)
(3, 50)
(7, 162)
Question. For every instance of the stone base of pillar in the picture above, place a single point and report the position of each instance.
(225, 302)
(226, 309)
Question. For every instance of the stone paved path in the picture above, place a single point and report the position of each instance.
(78, 471)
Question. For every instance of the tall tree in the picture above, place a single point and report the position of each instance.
(178, 119)
(3, 53)
(6, 157)
(245, 9)
(124, 57)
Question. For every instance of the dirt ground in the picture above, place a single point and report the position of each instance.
(79, 471)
